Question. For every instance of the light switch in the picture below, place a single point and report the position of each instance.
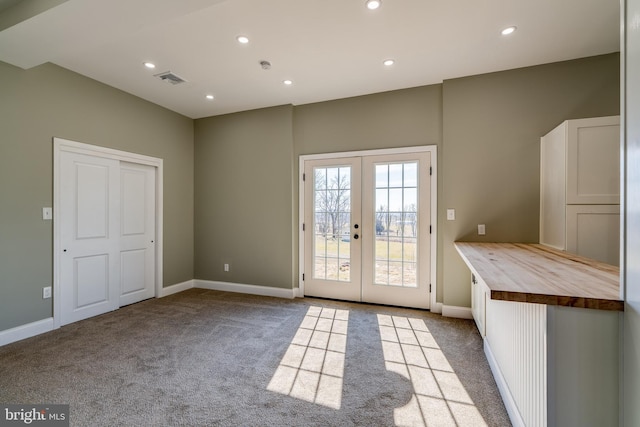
(47, 213)
(451, 214)
(481, 230)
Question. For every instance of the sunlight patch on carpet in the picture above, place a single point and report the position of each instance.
(439, 397)
(312, 369)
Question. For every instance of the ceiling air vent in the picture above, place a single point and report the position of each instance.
(170, 77)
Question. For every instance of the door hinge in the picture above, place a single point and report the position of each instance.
(303, 226)
(303, 277)
(429, 229)
(304, 176)
(429, 287)
(430, 170)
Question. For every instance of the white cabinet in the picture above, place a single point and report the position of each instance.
(478, 303)
(580, 188)
(551, 328)
(555, 365)
(593, 231)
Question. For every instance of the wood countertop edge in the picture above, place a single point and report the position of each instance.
(559, 300)
(545, 298)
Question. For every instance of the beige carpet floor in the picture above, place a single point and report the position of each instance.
(209, 358)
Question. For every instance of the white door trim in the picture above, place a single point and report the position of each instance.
(60, 145)
(364, 153)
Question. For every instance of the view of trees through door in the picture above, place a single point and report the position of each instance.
(395, 228)
(367, 228)
(332, 189)
(396, 196)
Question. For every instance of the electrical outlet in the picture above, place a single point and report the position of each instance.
(451, 214)
(46, 292)
(226, 267)
(481, 230)
(47, 213)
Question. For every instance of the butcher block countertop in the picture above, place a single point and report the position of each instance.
(534, 273)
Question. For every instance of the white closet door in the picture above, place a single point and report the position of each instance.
(137, 232)
(89, 262)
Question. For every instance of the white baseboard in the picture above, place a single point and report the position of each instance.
(174, 289)
(507, 398)
(41, 326)
(245, 289)
(436, 308)
(26, 331)
(459, 312)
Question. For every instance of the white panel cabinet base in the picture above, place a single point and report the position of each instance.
(583, 366)
(479, 296)
(555, 362)
(516, 336)
(555, 366)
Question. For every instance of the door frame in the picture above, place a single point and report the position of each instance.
(433, 149)
(64, 145)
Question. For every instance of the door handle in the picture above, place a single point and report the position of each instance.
(355, 236)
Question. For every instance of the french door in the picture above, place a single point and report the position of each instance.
(367, 222)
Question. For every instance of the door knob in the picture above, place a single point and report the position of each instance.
(356, 226)
(355, 236)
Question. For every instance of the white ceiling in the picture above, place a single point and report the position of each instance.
(330, 49)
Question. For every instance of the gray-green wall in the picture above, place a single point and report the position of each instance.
(487, 129)
(244, 208)
(246, 177)
(491, 151)
(46, 102)
(400, 118)
(243, 167)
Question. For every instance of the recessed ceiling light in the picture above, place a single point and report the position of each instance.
(389, 62)
(508, 30)
(150, 65)
(209, 97)
(287, 82)
(242, 39)
(373, 4)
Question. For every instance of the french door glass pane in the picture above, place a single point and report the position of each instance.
(396, 202)
(332, 223)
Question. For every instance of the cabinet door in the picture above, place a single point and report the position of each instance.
(593, 231)
(478, 295)
(593, 161)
